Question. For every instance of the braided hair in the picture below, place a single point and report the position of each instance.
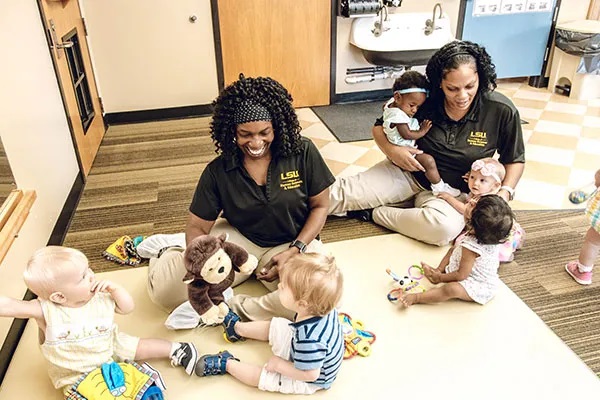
(264, 91)
(453, 55)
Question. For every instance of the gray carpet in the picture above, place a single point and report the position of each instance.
(350, 122)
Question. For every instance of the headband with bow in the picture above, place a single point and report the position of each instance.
(486, 169)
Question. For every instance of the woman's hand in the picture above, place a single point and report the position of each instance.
(270, 271)
(404, 157)
(401, 156)
(597, 178)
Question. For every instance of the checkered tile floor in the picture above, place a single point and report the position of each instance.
(562, 145)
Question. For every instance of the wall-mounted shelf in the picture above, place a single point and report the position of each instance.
(13, 213)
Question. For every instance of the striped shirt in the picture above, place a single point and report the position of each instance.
(318, 343)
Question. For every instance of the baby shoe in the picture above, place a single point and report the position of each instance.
(445, 188)
(583, 278)
(213, 364)
(229, 326)
(186, 356)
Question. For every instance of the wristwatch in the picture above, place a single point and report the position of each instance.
(511, 191)
(299, 245)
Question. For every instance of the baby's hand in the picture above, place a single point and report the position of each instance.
(103, 286)
(425, 126)
(597, 178)
(273, 364)
(433, 275)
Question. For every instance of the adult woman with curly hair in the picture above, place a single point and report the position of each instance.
(469, 121)
(268, 189)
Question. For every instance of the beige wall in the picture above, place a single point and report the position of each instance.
(148, 55)
(349, 56)
(572, 10)
(35, 134)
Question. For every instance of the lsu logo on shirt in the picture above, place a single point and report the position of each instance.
(290, 180)
(478, 139)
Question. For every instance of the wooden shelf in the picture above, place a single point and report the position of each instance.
(13, 213)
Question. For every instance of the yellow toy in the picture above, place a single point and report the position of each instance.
(357, 340)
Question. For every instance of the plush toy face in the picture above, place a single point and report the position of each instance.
(405, 281)
(216, 268)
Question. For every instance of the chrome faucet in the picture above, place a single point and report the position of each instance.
(379, 28)
(430, 23)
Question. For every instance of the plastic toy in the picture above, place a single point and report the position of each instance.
(580, 195)
(407, 283)
(356, 338)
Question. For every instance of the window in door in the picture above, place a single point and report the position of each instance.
(79, 80)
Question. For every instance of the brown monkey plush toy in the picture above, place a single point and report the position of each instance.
(211, 262)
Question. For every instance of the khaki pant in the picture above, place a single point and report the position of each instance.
(167, 290)
(384, 187)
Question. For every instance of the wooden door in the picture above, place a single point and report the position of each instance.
(288, 40)
(70, 54)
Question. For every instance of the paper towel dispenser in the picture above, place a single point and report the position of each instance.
(358, 8)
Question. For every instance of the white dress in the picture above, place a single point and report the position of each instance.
(394, 115)
(481, 285)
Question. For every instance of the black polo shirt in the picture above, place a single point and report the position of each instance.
(268, 215)
(492, 124)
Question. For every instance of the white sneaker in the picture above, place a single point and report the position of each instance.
(444, 188)
(152, 245)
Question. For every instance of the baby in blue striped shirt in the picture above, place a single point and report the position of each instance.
(307, 352)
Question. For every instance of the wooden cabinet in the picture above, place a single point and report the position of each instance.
(288, 40)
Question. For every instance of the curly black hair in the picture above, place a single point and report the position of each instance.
(411, 79)
(270, 94)
(491, 219)
(453, 55)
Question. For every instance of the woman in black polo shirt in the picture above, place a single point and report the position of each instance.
(469, 121)
(268, 189)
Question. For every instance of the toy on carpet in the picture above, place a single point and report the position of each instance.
(407, 283)
(123, 251)
(357, 339)
(580, 195)
(211, 263)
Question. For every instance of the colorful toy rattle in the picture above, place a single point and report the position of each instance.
(579, 196)
(357, 339)
(407, 283)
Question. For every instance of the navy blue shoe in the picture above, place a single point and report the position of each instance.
(213, 364)
(229, 326)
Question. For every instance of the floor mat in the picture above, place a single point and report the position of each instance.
(351, 122)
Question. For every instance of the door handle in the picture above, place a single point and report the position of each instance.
(55, 44)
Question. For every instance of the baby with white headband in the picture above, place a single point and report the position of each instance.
(486, 177)
(401, 129)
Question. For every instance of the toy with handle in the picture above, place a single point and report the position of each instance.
(580, 195)
(407, 283)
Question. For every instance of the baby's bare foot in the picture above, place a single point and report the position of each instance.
(406, 300)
